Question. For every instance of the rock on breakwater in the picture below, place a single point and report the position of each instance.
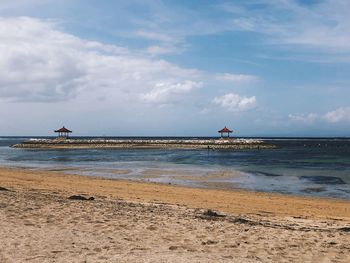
(144, 143)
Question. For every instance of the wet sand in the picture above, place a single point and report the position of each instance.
(189, 175)
(146, 222)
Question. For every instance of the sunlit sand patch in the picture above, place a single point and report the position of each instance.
(220, 185)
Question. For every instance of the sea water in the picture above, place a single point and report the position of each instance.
(303, 166)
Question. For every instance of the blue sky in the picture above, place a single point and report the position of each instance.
(263, 68)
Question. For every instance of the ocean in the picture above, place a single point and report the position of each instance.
(301, 166)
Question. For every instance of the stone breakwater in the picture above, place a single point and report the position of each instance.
(147, 144)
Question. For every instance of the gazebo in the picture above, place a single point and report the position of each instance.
(223, 131)
(63, 132)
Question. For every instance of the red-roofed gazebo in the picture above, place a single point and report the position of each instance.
(225, 130)
(63, 132)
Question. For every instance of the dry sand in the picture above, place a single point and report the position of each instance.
(140, 222)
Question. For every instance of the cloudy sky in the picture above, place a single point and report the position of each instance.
(152, 67)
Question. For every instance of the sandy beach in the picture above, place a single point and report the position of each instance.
(146, 222)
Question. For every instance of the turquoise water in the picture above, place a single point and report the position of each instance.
(316, 167)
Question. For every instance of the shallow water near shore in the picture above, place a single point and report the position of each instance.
(303, 166)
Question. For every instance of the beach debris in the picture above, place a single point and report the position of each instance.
(173, 247)
(81, 198)
(209, 242)
(4, 189)
(243, 221)
(210, 215)
(152, 228)
(240, 220)
(345, 229)
(210, 212)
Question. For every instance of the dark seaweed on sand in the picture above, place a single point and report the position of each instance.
(80, 198)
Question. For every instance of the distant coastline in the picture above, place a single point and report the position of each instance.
(198, 143)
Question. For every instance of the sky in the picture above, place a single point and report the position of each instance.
(175, 67)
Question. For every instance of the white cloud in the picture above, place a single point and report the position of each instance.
(308, 30)
(322, 26)
(155, 36)
(168, 92)
(338, 115)
(303, 118)
(39, 62)
(236, 78)
(164, 49)
(234, 102)
(166, 44)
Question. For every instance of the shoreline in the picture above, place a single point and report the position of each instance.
(229, 201)
(192, 179)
